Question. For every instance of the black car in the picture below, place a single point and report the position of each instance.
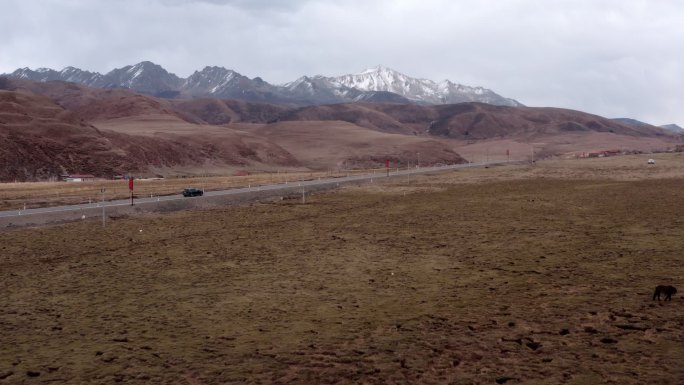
(192, 192)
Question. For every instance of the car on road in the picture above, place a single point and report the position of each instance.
(192, 192)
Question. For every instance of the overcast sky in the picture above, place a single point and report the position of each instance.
(615, 58)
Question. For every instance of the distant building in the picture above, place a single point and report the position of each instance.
(601, 154)
(78, 177)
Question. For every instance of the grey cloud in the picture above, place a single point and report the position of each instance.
(614, 58)
(250, 5)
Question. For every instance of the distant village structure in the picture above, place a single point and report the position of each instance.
(78, 177)
(601, 154)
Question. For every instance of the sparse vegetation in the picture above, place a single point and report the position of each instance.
(43, 194)
(520, 274)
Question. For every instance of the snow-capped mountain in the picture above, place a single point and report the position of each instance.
(145, 77)
(379, 84)
(383, 79)
(211, 80)
(219, 82)
(68, 74)
(317, 88)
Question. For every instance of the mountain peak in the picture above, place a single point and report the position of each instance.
(216, 71)
(375, 83)
(378, 69)
(147, 64)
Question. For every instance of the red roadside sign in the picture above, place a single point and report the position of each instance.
(387, 163)
(130, 183)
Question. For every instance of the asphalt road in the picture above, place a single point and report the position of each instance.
(243, 190)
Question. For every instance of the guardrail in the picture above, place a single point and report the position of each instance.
(123, 207)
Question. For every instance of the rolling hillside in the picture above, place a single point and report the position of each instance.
(52, 128)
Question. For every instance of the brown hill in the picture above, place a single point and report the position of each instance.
(482, 121)
(165, 135)
(469, 121)
(40, 140)
(217, 146)
(50, 128)
(360, 114)
(94, 103)
(337, 144)
(216, 111)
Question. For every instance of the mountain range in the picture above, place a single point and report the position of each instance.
(378, 84)
(56, 127)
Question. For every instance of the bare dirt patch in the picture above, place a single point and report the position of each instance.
(544, 278)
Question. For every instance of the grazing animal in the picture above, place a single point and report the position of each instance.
(668, 291)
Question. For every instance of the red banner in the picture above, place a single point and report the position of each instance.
(130, 183)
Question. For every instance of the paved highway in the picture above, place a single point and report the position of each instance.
(243, 190)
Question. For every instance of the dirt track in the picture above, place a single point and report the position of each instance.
(506, 275)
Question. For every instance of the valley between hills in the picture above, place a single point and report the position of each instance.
(48, 129)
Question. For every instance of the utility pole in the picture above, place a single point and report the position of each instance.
(130, 186)
(103, 206)
(408, 172)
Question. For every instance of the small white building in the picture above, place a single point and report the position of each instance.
(78, 177)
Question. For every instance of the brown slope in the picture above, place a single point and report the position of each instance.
(360, 114)
(337, 144)
(102, 104)
(93, 103)
(469, 121)
(483, 121)
(40, 139)
(217, 111)
(134, 114)
(219, 145)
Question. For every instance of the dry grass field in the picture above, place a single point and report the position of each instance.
(535, 274)
(43, 194)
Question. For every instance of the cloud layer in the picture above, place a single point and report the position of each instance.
(609, 57)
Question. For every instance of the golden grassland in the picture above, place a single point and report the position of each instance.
(42, 194)
(515, 274)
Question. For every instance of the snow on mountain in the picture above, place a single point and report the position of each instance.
(40, 74)
(75, 75)
(316, 90)
(219, 82)
(211, 80)
(386, 79)
(379, 84)
(144, 77)
(419, 90)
